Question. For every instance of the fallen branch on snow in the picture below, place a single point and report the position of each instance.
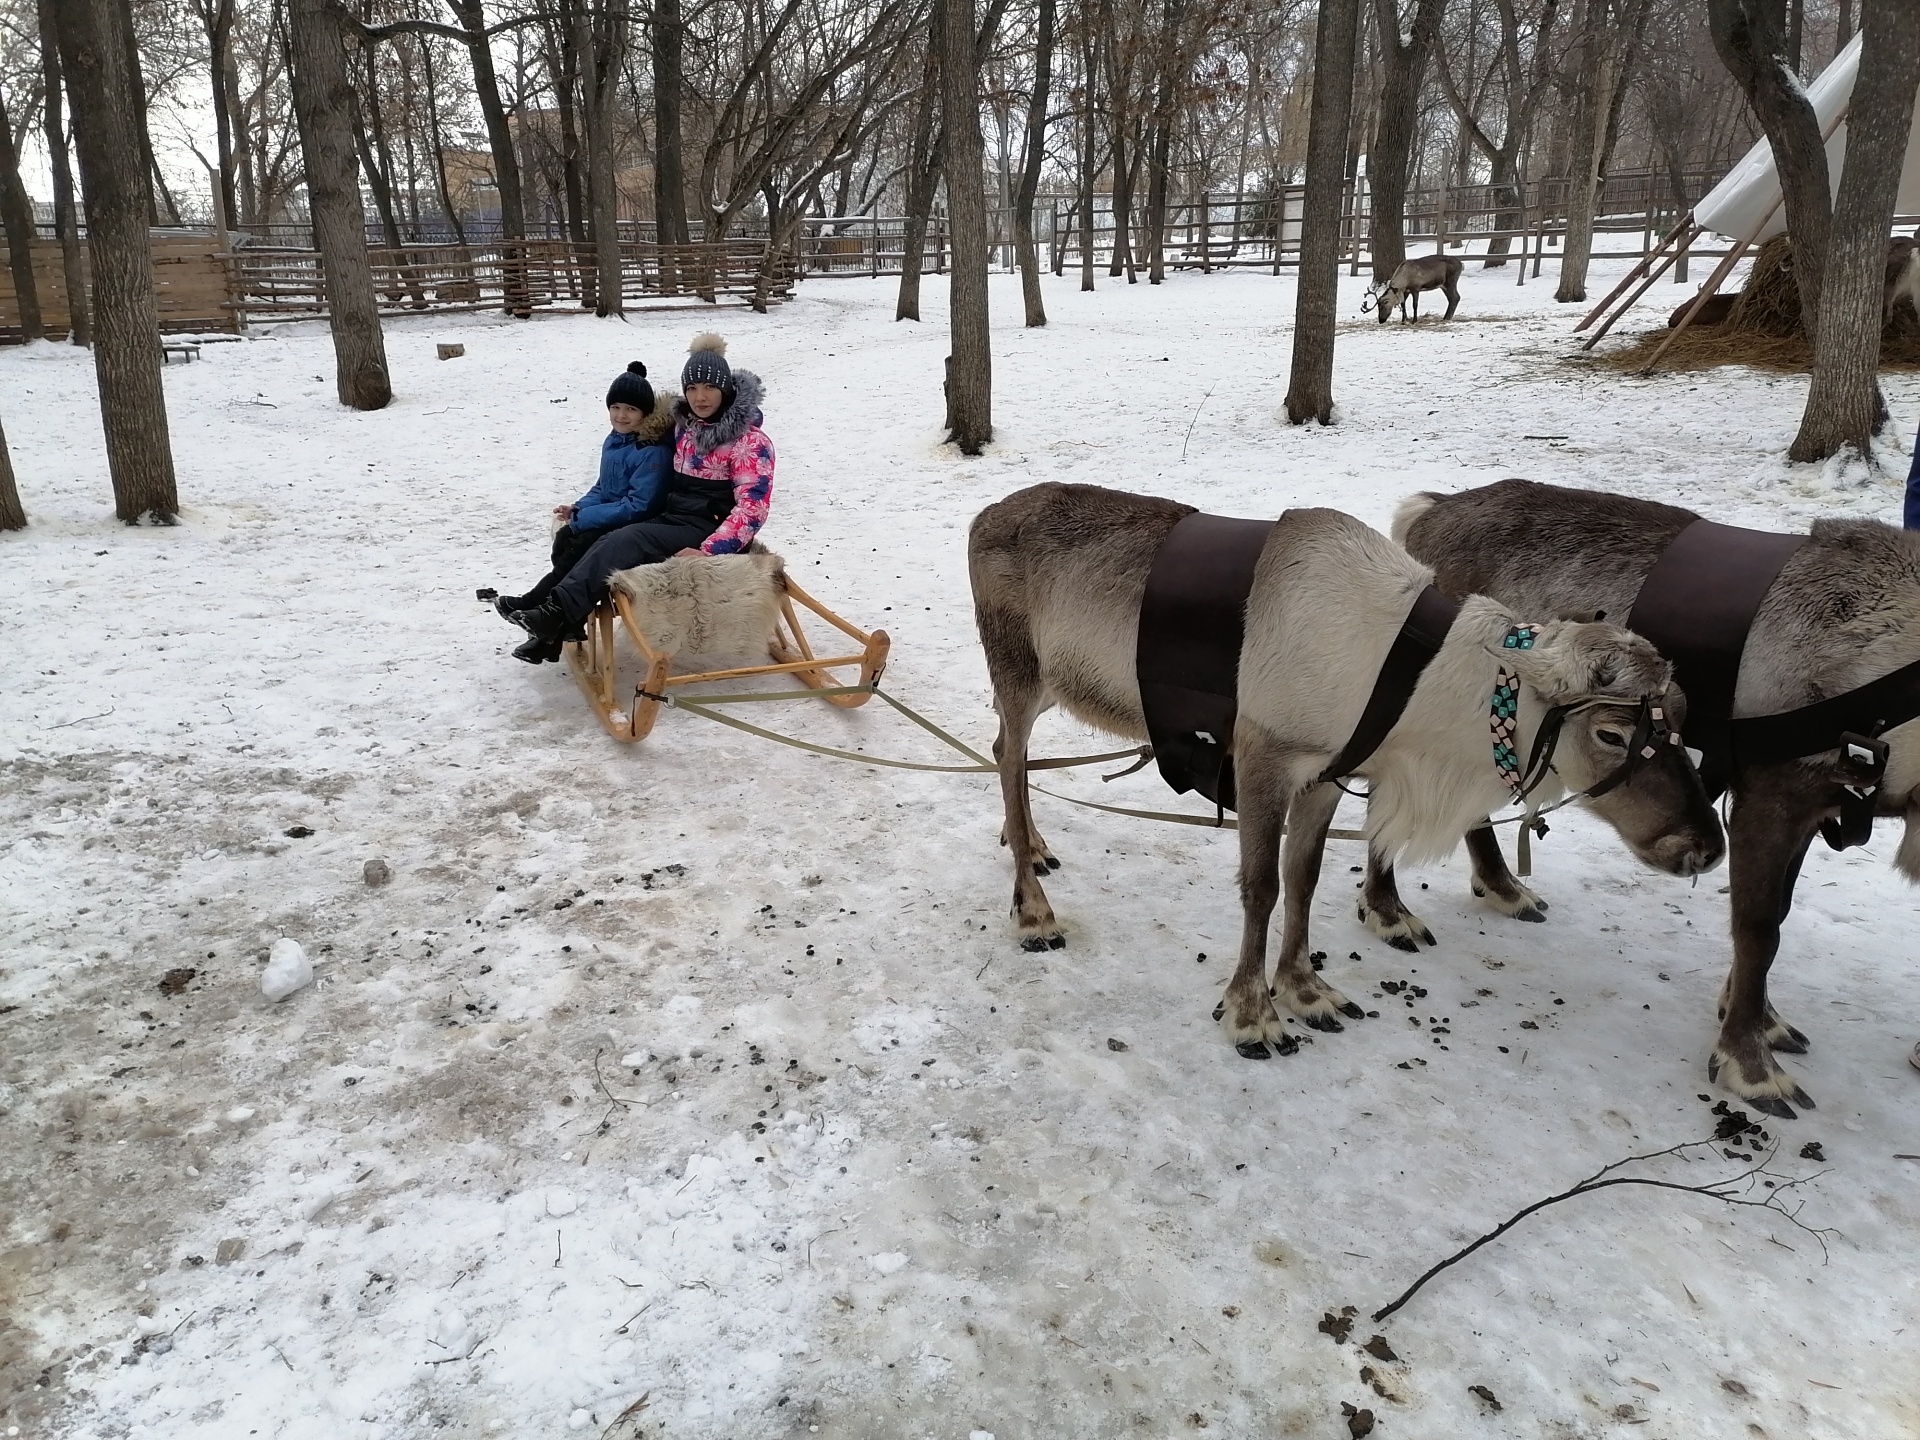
(1734, 1190)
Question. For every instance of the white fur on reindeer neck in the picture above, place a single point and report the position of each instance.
(706, 604)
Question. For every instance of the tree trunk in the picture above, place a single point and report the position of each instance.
(602, 47)
(1160, 142)
(1089, 53)
(1598, 58)
(506, 165)
(323, 104)
(563, 65)
(1844, 404)
(13, 515)
(107, 105)
(1750, 36)
(1399, 111)
(669, 170)
(436, 137)
(924, 158)
(217, 17)
(16, 216)
(66, 220)
(970, 373)
(1030, 166)
(1310, 389)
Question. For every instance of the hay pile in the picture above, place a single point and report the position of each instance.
(1763, 329)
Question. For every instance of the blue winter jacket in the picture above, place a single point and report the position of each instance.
(632, 472)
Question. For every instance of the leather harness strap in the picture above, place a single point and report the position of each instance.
(1187, 657)
(1421, 635)
(1696, 606)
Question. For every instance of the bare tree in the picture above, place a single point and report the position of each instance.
(970, 366)
(16, 216)
(1751, 37)
(1405, 64)
(96, 54)
(1031, 164)
(13, 515)
(1310, 390)
(323, 98)
(669, 178)
(66, 222)
(1608, 44)
(1844, 404)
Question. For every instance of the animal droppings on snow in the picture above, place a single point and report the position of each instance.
(376, 872)
(288, 970)
(561, 1202)
(887, 1261)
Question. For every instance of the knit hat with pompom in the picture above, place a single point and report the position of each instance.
(630, 387)
(707, 364)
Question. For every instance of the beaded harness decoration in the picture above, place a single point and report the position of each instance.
(1504, 716)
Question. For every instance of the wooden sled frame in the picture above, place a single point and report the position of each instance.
(595, 665)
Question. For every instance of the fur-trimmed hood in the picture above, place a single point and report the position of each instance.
(659, 423)
(738, 416)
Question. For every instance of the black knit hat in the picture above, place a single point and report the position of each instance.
(630, 387)
(707, 364)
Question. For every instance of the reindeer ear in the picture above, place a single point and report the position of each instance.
(1605, 675)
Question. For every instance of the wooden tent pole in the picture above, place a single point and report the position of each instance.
(1635, 273)
(1634, 299)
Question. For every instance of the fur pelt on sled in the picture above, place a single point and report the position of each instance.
(706, 604)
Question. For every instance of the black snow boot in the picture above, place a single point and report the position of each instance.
(537, 651)
(507, 604)
(545, 621)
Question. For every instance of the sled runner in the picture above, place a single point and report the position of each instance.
(718, 605)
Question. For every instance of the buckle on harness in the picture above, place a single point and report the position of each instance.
(1862, 768)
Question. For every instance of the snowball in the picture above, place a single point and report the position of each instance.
(579, 1420)
(240, 1114)
(561, 1202)
(980, 1435)
(887, 1261)
(638, 1057)
(288, 970)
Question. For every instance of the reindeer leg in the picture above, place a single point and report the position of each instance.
(1494, 883)
(1294, 983)
(1381, 911)
(1453, 299)
(1774, 821)
(1251, 1021)
(1018, 696)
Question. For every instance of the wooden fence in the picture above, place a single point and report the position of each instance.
(201, 287)
(189, 282)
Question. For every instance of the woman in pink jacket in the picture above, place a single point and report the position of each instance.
(713, 502)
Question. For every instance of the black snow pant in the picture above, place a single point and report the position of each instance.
(647, 543)
(569, 545)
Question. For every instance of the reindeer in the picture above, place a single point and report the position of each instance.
(1903, 277)
(1844, 610)
(1429, 272)
(1059, 573)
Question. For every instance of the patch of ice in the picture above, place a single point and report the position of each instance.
(887, 1261)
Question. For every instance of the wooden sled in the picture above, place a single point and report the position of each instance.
(595, 665)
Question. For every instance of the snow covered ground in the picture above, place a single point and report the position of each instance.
(707, 1072)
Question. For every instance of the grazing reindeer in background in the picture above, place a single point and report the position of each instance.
(1059, 576)
(1903, 276)
(1429, 272)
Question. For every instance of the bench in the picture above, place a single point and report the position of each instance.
(187, 350)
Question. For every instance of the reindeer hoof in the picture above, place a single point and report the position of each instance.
(1407, 943)
(1771, 1105)
(1038, 943)
(1426, 936)
(1218, 1011)
(1791, 1043)
(1802, 1099)
(1053, 862)
(1353, 1011)
(1713, 1062)
(1325, 1024)
(1532, 914)
(1253, 1050)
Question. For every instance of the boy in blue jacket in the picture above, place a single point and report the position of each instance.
(634, 461)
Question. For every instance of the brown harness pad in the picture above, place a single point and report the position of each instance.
(1192, 624)
(1696, 606)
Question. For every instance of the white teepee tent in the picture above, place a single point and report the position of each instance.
(1747, 204)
